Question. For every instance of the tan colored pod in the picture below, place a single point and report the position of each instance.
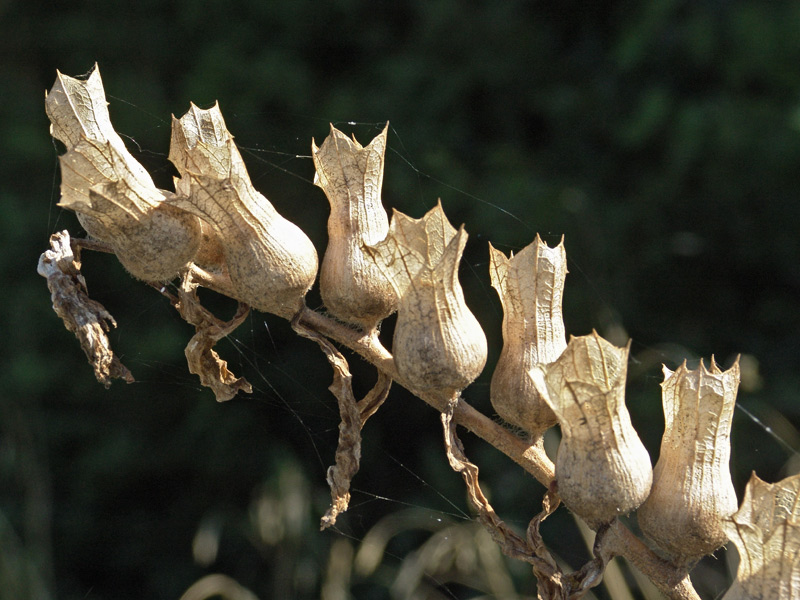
(531, 287)
(438, 343)
(766, 532)
(602, 468)
(96, 154)
(353, 288)
(111, 193)
(271, 262)
(153, 245)
(692, 492)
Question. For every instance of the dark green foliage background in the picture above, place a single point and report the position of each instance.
(661, 138)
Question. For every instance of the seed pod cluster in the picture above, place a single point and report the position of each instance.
(531, 287)
(271, 262)
(111, 193)
(438, 343)
(602, 468)
(352, 286)
(692, 492)
(218, 223)
(766, 532)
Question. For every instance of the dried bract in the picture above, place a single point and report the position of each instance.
(766, 532)
(438, 343)
(86, 318)
(692, 492)
(353, 288)
(602, 469)
(531, 288)
(271, 262)
(111, 193)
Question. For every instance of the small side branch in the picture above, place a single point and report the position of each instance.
(553, 584)
(84, 317)
(353, 416)
(203, 361)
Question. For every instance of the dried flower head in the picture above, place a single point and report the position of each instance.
(531, 287)
(271, 262)
(353, 288)
(692, 492)
(602, 468)
(438, 343)
(111, 193)
(766, 532)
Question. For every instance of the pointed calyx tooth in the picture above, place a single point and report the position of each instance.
(438, 343)
(270, 261)
(353, 288)
(531, 287)
(692, 492)
(602, 468)
(112, 194)
(766, 532)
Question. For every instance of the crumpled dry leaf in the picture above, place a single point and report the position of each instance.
(602, 468)
(692, 491)
(531, 287)
(766, 532)
(112, 194)
(353, 288)
(202, 360)
(553, 583)
(438, 343)
(353, 414)
(84, 317)
(271, 262)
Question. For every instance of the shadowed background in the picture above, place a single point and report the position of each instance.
(662, 139)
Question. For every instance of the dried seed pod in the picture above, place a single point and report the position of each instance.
(353, 288)
(766, 532)
(438, 343)
(531, 287)
(602, 468)
(271, 262)
(111, 193)
(153, 245)
(692, 491)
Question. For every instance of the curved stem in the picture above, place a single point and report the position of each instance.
(619, 540)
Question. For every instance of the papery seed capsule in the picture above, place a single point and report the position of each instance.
(438, 343)
(353, 288)
(766, 532)
(153, 246)
(602, 468)
(531, 287)
(111, 193)
(692, 492)
(271, 262)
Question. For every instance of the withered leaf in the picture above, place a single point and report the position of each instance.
(84, 317)
(203, 361)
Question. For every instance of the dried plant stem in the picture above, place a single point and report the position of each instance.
(673, 581)
(89, 321)
(353, 416)
(531, 458)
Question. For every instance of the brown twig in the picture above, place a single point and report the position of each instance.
(673, 582)
(353, 416)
